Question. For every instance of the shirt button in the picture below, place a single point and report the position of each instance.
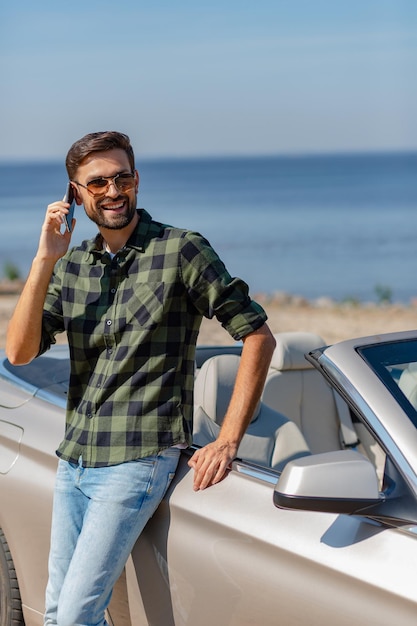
(108, 322)
(89, 415)
(113, 290)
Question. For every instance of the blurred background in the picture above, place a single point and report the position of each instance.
(284, 131)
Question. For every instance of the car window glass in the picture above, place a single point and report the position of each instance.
(395, 363)
(405, 376)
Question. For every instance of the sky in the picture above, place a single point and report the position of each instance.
(220, 78)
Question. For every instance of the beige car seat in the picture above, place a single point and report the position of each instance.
(294, 387)
(271, 439)
(408, 383)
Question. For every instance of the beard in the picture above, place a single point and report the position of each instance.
(104, 218)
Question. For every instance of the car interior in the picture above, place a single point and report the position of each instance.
(299, 413)
(271, 439)
(408, 383)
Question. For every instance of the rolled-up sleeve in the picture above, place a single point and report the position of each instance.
(52, 320)
(214, 292)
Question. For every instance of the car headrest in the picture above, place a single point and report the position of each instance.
(214, 386)
(291, 348)
(408, 383)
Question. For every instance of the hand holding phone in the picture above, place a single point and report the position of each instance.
(69, 197)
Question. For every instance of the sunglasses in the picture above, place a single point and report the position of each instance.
(100, 186)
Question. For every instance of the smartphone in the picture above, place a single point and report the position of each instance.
(69, 197)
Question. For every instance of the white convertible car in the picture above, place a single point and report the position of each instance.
(315, 523)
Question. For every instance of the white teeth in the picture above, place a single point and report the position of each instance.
(112, 207)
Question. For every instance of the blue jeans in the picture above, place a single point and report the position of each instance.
(98, 514)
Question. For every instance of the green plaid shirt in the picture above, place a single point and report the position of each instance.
(132, 325)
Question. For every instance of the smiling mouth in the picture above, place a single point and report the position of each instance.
(114, 206)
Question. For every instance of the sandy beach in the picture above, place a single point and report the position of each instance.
(331, 320)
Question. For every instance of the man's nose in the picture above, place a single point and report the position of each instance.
(112, 190)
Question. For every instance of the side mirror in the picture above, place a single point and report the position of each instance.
(333, 482)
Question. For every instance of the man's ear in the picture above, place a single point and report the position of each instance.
(77, 195)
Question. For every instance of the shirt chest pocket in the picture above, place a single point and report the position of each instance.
(145, 304)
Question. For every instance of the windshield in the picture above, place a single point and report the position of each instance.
(396, 365)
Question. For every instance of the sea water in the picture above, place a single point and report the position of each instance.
(342, 226)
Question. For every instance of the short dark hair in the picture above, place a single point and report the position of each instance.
(97, 142)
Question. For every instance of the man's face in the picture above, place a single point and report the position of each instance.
(115, 209)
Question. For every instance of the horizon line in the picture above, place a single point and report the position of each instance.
(26, 160)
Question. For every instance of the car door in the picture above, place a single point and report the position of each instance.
(26, 487)
(228, 556)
